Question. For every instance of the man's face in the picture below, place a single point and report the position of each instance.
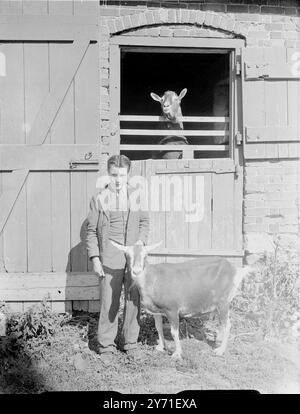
(118, 177)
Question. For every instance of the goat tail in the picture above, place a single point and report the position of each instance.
(241, 272)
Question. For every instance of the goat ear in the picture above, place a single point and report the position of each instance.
(182, 93)
(155, 97)
(153, 246)
(119, 246)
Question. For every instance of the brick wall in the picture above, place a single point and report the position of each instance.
(271, 189)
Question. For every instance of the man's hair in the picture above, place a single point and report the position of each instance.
(119, 161)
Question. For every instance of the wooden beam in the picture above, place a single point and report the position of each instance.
(54, 99)
(47, 157)
(10, 195)
(272, 134)
(175, 132)
(151, 118)
(134, 147)
(178, 42)
(47, 28)
(280, 70)
(55, 286)
(197, 253)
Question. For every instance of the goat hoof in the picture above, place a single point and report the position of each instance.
(176, 355)
(160, 348)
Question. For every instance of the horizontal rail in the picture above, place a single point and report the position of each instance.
(175, 132)
(155, 118)
(191, 252)
(134, 147)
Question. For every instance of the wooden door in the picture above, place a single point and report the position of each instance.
(48, 149)
(271, 103)
(195, 208)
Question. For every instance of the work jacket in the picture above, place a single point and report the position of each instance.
(98, 222)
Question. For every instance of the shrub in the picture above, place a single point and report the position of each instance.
(270, 295)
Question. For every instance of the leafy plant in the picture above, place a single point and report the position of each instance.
(270, 295)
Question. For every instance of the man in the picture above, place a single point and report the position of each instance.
(111, 218)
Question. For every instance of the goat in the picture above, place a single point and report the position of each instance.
(184, 289)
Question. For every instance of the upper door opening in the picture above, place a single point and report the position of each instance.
(205, 108)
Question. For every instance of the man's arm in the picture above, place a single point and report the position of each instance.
(91, 232)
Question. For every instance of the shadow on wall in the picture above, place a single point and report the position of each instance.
(77, 258)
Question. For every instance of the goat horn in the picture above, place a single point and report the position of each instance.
(153, 246)
(119, 246)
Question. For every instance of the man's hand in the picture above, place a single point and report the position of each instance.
(97, 267)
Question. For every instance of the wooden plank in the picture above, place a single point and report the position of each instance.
(14, 233)
(86, 7)
(12, 95)
(179, 205)
(272, 134)
(200, 232)
(223, 211)
(11, 7)
(35, 7)
(46, 20)
(60, 221)
(156, 200)
(61, 306)
(11, 191)
(178, 42)
(63, 127)
(44, 157)
(31, 32)
(62, 7)
(2, 261)
(86, 89)
(134, 147)
(39, 222)
(155, 118)
(115, 97)
(52, 102)
(36, 70)
(78, 253)
(197, 252)
(281, 70)
(91, 180)
(175, 132)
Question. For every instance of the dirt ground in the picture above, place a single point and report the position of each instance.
(67, 362)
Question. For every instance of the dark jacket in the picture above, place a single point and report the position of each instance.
(98, 226)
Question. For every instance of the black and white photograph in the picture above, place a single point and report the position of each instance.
(149, 199)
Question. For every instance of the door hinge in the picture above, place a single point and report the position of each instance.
(238, 66)
(238, 138)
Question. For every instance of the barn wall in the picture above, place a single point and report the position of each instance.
(271, 188)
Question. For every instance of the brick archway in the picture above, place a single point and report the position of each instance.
(198, 18)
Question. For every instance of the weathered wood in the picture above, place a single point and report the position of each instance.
(281, 70)
(141, 147)
(197, 252)
(178, 42)
(79, 203)
(63, 127)
(86, 90)
(60, 221)
(12, 129)
(36, 77)
(43, 157)
(39, 230)
(52, 102)
(55, 28)
(175, 132)
(10, 194)
(158, 118)
(15, 229)
(275, 134)
(223, 229)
